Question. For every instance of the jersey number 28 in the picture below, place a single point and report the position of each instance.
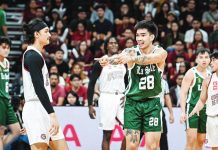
(146, 83)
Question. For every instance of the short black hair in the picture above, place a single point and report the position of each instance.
(74, 76)
(5, 40)
(149, 25)
(214, 55)
(100, 5)
(202, 51)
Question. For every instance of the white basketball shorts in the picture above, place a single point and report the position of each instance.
(37, 123)
(212, 132)
(110, 111)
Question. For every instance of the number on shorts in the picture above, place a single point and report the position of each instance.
(153, 121)
(146, 83)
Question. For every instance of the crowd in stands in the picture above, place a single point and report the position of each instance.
(79, 28)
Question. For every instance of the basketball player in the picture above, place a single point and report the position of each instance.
(7, 114)
(111, 87)
(39, 118)
(209, 94)
(142, 111)
(190, 93)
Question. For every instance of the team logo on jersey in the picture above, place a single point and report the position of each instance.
(43, 136)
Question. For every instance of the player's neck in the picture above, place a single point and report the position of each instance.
(38, 46)
(148, 49)
(1, 59)
(200, 69)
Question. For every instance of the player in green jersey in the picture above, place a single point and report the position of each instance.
(7, 115)
(190, 94)
(142, 111)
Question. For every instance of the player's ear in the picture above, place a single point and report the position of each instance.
(152, 37)
(36, 34)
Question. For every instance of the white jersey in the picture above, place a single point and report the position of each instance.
(111, 79)
(29, 91)
(165, 90)
(212, 100)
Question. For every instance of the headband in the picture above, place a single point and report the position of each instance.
(39, 26)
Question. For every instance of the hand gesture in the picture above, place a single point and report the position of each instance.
(104, 61)
(92, 112)
(194, 111)
(171, 118)
(54, 124)
(183, 117)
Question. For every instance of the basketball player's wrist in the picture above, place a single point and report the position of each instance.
(52, 114)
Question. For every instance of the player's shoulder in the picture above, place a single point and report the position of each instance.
(190, 73)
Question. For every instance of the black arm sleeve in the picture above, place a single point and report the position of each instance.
(96, 71)
(126, 80)
(33, 62)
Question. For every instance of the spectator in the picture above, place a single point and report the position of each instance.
(120, 28)
(127, 33)
(129, 43)
(210, 17)
(140, 11)
(124, 10)
(187, 24)
(61, 30)
(190, 9)
(30, 11)
(81, 17)
(79, 89)
(179, 50)
(3, 27)
(189, 35)
(173, 35)
(148, 16)
(62, 66)
(107, 15)
(58, 92)
(59, 5)
(198, 39)
(175, 91)
(56, 44)
(40, 14)
(55, 16)
(54, 69)
(213, 39)
(72, 99)
(102, 28)
(85, 55)
(161, 17)
(81, 34)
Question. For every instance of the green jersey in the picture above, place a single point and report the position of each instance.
(144, 81)
(4, 79)
(195, 89)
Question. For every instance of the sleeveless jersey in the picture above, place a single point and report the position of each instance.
(111, 79)
(144, 80)
(29, 91)
(212, 99)
(195, 89)
(4, 79)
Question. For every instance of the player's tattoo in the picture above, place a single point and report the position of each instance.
(134, 135)
(142, 59)
(112, 61)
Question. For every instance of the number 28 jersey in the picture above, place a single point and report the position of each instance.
(4, 79)
(144, 81)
